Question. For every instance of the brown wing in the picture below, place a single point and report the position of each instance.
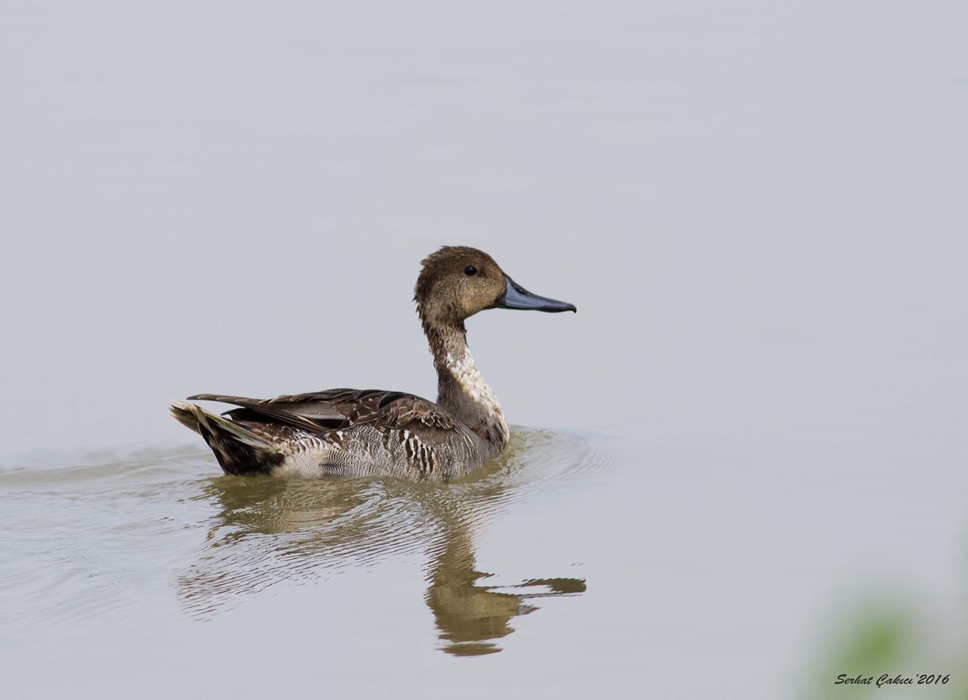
(339, 409)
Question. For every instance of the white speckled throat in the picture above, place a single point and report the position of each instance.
(453, 357)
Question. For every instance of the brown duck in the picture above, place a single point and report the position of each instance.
(352, 432)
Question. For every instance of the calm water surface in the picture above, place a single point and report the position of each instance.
(738, 471)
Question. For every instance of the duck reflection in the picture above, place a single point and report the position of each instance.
(272, 530)
(469, 615)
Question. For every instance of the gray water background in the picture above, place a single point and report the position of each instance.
(755, 475)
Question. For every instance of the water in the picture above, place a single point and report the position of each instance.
(737, 471)
(245, 536)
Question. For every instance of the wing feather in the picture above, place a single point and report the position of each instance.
(340, 409)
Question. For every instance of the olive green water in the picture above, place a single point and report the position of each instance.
(739, 471)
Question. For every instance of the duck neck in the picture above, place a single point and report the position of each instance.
(460, 387)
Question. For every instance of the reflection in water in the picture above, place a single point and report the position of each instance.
(272, 530)
(469, 615)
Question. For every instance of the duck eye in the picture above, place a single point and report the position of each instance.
(470, 270)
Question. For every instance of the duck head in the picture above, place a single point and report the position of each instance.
(457, 282)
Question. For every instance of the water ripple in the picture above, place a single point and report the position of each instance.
(81, 537)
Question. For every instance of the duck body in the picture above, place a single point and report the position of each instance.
(374, 432)
(343, 432)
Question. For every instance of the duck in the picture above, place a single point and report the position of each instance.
(372, 432)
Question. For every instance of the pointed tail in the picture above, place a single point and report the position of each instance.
(238, 450)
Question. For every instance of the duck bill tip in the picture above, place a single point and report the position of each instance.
(517, 297)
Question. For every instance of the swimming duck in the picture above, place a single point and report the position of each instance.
(371, 432)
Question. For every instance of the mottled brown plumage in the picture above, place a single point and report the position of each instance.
(345, 431)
